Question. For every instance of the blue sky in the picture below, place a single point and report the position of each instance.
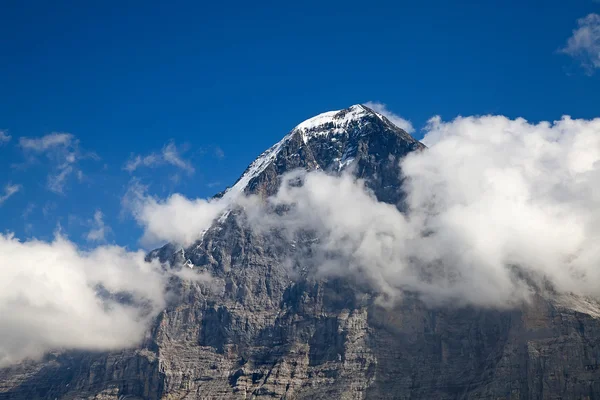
(198, 90)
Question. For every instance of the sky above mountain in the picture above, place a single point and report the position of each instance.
(181, 97)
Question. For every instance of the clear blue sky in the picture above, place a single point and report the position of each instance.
(225, 80)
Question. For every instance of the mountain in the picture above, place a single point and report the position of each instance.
(262, 330)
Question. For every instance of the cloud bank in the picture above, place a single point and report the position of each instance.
(492, 204)
(54, 296)
(584, 44)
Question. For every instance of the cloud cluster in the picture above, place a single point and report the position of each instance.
(394, 118)
(493, 203)
(175, 219)
(9, 190)
(4, 137)
(169, 155)
(64, 153)
(47, 142)
(99, 229)
(584, 44)
(53, 296)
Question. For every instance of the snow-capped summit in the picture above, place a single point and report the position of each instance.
(338, 122)
(329, 141)
(333, 122)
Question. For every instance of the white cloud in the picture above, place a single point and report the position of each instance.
(137, 161)
(171, 156)
(56, 182)
(50, 297)
(490, 200)
(63, 152)
(219, 153)
(55, 296)
(28, 210)
(99, 229)
(4, 137)
(49, 141)
(394, 118)
(9, 190)
(175, 219)
(168, 155)
(584, 44)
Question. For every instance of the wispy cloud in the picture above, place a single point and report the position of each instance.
(4, 137)
(137, 161)
(44, 143)
(28, 210)
(64, 153)
(9, 190)
(48, 209)
(172, 156)
(584, 43)
(169, 155)
(219, 153)
(394, 118)
(99, 228)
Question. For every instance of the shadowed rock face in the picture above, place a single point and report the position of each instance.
(264, 330)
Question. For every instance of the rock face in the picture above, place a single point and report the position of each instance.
(263, 331)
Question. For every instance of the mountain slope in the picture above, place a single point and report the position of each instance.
(263, 330)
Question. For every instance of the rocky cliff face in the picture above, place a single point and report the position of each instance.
(263, 330)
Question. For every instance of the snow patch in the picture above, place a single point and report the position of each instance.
(332, 122)
(255, 169)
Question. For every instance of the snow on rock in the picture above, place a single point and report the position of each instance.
(333, 122)
(255, 169)
(328, 123)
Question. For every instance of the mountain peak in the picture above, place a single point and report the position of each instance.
(335, 122)
(328, 141)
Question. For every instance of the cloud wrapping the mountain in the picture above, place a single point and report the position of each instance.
(492, 201)
(175, 219)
